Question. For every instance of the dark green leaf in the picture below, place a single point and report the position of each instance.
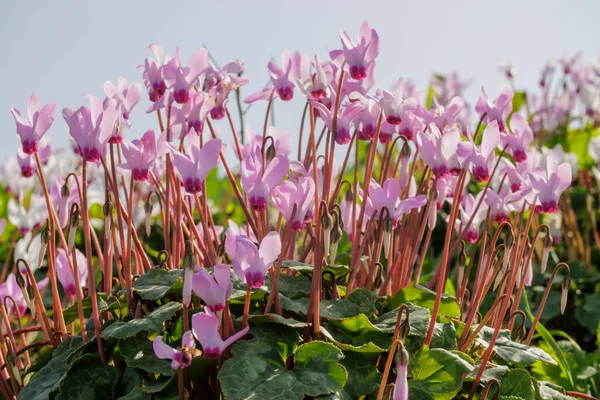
(138, 353)
(88, 378)
(49, 377)
(155, 283)
(152, 322)
(365, 300)
(276, 318)
(513, 351)
(517, 383)
(363, 378)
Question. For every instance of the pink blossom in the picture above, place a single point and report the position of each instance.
(140, 154)
(205, 327)
(300, 194)
(65, 274)
(497, 110)
(214, 290)
(251, 262)
(181, 357)
(193, 168)
(32, 130)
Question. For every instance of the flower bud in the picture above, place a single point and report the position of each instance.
(565, 285)
(271, 153)
(148, 211)
(405, 327)
(189, 262)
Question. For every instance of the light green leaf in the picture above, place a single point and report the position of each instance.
(152, 322)
(138, 353)
(517, 383)
(155, 283)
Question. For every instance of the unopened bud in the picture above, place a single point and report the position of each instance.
(271, 153)
(65, 190)
(349, 195)
(326, 220)
(565, 286)
(401, 355)
(221, 250)
(509, 240)
(388, 224)
(148, 211)
(405, 150)
(189, 259)
(405, 327)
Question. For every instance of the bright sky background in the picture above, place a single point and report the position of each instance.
(65, 48)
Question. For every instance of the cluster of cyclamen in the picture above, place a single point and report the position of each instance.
(339, 92)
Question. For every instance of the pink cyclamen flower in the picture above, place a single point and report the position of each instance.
(196, 110)
(214, 290)
(501, 205)
(205, 327)
(439, 150)
(401, 386)
(65, 275)
(316, 86)
(358, 56)
(32, 130)
(257, 184)
(410, 125)
(497, 110)
(283, 80)
(233, 231)
(388, 196)
(480, 159)
(467, 210)
(123, 98)
(27, 163)
(180, 79)
(366, 122)
(394, 105)
(252, 262)
(548, 185)
(140, 154)
(443, 116)
(91, 128)
(518, 140)
(346, 115)
(300, 194)
(153, 73)
(193, 168)
(182, 356)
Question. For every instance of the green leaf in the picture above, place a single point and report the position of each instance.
(49, 377)
(444, 336)
(512, 351)
(518, 100)
(135, 394)
(438, 372)
(550, 391)
(259, 367)
(517, 383)
(491, 372)
(152, 322)
(138, 353)
(363, 378)
(88, 378)
(161, 384)
(365, 300)
(336, 269)
(155, 283)
(291, 286)
(276, 318)
(368, 349)
(418, 319)
(423, 297)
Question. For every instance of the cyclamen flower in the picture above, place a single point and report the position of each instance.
(180, 79)
(467, 210)
(446, 87)
(32, 130)
(346, 115)
(300, 194)
(65, 275)
(497, 110)
(205, 327)
(442, 116)
(91, 128)
(141, 154)
(196, 110)
(501, 205)
(366, 122)
(252, 262)
(153, 73)
(388, 196)
(227, 76)
(182, 356)
(548, 185)
(439, 151)
(27, 219)
(314, 86)
(233, 231)
(481, 158)
(410, 125)
(194, 167)
(282, 79)
(394, 105)
(401, 384)
(214, 290)
(123, 98)
(358, 56)
(257, 184)
(518, 140)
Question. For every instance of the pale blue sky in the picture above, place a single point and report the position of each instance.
(61, 49)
